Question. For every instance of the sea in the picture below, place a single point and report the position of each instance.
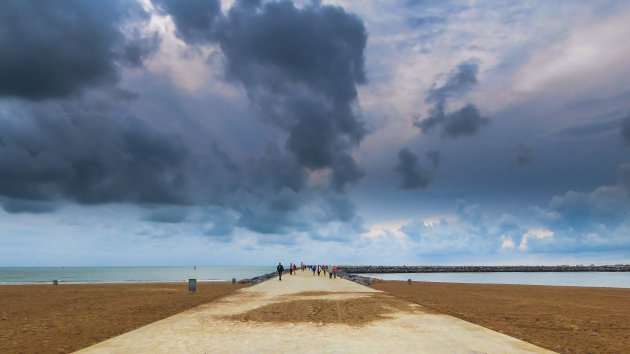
(591, 279)
(81, 275)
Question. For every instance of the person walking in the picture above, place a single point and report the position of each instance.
(335, 271)
(280, 269)
(319, 270)
(290, 268)
(294, 269)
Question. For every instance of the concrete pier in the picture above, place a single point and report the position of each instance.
(312, 314)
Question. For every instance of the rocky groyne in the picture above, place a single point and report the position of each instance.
(483, 269)
(355, 278)
(259, 279)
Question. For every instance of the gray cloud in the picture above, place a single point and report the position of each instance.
(16, 206)
(193, 19)
(41, 60)
(168, 215)
(524, 155)
(89, 156)
(300, 68)
(89, 148)
(422, 21)
(625, 128)
(464, 121)
(411, 174)
(458, 82)
(588, 130)
(435, 157)
(586, 211)
(624, 176)
(219, 223)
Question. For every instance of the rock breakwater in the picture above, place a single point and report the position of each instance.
(481, 269)
(258, 279)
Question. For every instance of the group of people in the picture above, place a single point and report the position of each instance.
(316, 269)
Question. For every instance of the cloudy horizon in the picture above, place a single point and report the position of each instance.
(207, 132)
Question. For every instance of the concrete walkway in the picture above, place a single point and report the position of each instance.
(236, 324)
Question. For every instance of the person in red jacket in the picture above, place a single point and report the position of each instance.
(335, 272)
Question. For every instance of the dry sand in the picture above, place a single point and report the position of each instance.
(65, 318)
(563, 319)
(49, 319)
(310, 314)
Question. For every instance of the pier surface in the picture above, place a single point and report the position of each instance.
(306, 313)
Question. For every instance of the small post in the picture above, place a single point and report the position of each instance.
(192, 285)
(409, 281)
(55, 282)
(233, 280)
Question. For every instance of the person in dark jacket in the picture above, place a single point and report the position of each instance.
(280, 270)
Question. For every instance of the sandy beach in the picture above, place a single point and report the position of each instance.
(562, 319)
(65, 318)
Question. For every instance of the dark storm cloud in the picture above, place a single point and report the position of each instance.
(75, 152)
(90, 154)
(435, 157)
(58, 48)
(624, 177)
(193, 18)
(172, 215)
(458, 82)
(16, 206)
(625, 128)
(300, 67)
(411, 174)
(524, 155)
(464, 121)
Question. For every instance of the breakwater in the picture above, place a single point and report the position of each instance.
(482, 269)
(259, 279)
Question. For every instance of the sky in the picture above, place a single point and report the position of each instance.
(208, 132)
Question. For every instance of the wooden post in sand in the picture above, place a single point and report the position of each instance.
(192, 285)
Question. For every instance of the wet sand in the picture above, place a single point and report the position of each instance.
(562, 319)
(65, 318)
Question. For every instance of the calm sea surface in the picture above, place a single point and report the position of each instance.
(31, 275)
(596, 279)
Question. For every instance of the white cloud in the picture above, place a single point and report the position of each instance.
(507, 242)
(590, 54)
(539, 234)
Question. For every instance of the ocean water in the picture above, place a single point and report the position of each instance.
(594, 279)
(35, 275)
